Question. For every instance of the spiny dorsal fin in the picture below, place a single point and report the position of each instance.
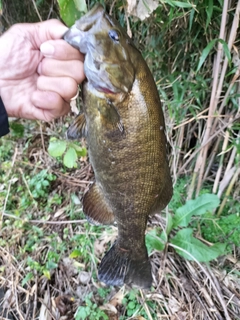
(96, 208)
(78, 129)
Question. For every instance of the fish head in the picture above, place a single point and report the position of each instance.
(109, 52)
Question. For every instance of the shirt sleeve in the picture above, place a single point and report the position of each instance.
(4, 125)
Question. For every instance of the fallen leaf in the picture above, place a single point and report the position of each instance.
(142, 8)
(59, 212)
(44, 313)
(70, 266)
(109, 308)
(100, 243)
(9, 299)
(174, 305)
(117, 298)
(84, 277)
(73, 105)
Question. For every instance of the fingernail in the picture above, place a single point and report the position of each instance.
(47, 49)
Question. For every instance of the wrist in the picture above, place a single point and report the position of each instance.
(4, 125)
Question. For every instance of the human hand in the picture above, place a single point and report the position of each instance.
(38, 84)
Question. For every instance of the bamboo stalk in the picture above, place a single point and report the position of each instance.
(201, 160)
(216, 91)
(220, 168)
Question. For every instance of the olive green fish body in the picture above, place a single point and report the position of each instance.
(124, 126)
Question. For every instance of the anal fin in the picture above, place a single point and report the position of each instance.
(78, 129)
(96, 208)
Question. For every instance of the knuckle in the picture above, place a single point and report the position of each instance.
(79, 74)
(44, 67)
(71, 87)
(40, 82)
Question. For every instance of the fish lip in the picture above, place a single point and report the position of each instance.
(105, 90)
(73, 36)
(101, 89)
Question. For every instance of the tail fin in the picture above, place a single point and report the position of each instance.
(118, 266)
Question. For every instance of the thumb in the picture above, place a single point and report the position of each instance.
(48, 30)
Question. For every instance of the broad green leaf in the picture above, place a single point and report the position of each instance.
(209, 47)
(56, 148)
(81, 151)
(70, 158)
(198, 206)
(70, 10)
(81, 5)
(76, 253)
(197, 249)
(154, 241)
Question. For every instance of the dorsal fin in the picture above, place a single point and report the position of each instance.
(78, 129)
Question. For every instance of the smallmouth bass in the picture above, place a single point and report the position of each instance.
(123, 123)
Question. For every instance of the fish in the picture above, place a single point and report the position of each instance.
(123, 123)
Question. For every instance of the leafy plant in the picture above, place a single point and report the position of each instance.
(36, 266)
(225, 228)
(70, 151)
(90, 311)
(184, 242)
(133, 306)
(39, 184)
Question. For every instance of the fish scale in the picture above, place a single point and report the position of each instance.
(123, 123)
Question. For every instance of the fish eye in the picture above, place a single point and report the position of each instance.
(113, 34)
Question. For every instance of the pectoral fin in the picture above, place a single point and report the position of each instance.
(110, 117)
(96, 208)
(78, 129)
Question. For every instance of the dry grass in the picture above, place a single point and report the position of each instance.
(182, 289)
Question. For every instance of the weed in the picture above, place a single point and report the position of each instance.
(134, 307)
(90, 311)
(183, 241)
(40, 183)
(70, 151)
(225, 229)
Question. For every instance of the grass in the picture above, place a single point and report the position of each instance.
(49, 253)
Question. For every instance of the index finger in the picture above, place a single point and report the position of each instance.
(61, 50)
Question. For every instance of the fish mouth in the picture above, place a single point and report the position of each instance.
(105, 90)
